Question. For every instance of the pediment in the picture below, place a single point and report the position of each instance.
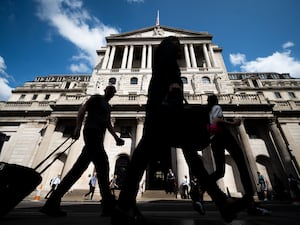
(159, 31)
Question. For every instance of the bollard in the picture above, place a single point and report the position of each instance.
(37, 196)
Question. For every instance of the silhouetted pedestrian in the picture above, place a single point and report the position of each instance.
(97, 121)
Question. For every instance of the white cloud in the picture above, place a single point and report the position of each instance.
(288, 45)
(74, 23)
(5, 89)
(2, 66)
(79, 68)
(237, 59)
(280, 62)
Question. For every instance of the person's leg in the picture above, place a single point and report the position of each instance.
(52, 205)
(218, 150)
(100, 160)
(135, 171)
(227, 207)
(237, 155)
(92, 193)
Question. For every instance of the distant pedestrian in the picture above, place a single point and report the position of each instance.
(54, 182)
(170, 182)
(185, 187)
(262, 189)
(92, 186)
(113, 184)
(196, 194)
(294, 186)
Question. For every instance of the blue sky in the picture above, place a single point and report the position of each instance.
(42, 37)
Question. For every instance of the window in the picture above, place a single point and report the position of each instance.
(262, 76)
(34, 97)
(22, 97)
(112, 81)
(47, 96)
(292, 94)
(67, 85)
(184, 80)
(133, 80)
(255, 83)
(132, 96)
(277, 94)
(126, 132)
(205, 80)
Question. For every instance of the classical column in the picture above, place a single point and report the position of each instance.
(212, 54)
(182, 167)
(106, 56)
(149, 57)
(130, 57)
(109, 144)
(193, 57)
(73, 154)
(111, 57)
(139, 129)
(144, 57)
(124, 59)
(282, 148)
(187, 56)
(206, 56)
(248, 153)
(45, 143)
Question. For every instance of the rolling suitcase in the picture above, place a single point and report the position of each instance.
(17, 182)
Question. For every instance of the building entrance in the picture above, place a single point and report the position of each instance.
(158, 169)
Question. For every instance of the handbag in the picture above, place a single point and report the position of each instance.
(185, 124)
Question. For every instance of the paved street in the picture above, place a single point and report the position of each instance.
(157, 212)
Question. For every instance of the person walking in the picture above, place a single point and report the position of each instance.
(170, 182)
(54, 182)
(221, 139)
(185, 188)
(113, 184)
(92, 186)
(97, 121)
(165, 80)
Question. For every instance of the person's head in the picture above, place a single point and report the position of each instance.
(169, 47)
(109, 92)
(212, 100)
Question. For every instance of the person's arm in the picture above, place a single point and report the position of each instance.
(219, 118)
(234, 122)
(79, 120)
(111, 130)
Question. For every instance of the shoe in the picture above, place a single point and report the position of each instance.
(130, 217)
(258, 211)
(231, 207)
(198, 206)
(52, 211)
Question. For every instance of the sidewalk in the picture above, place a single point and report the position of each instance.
(157, 212)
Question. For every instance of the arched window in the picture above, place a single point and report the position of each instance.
(112, 81)
(205, 80)
(121, 168)
(133, 80)
(184, 80)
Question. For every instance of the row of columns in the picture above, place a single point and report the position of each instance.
(182, 168)
(146, 60)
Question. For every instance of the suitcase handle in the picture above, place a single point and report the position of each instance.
(55, 150)
(59, 155)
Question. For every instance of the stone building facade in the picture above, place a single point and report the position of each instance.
(40, 115)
